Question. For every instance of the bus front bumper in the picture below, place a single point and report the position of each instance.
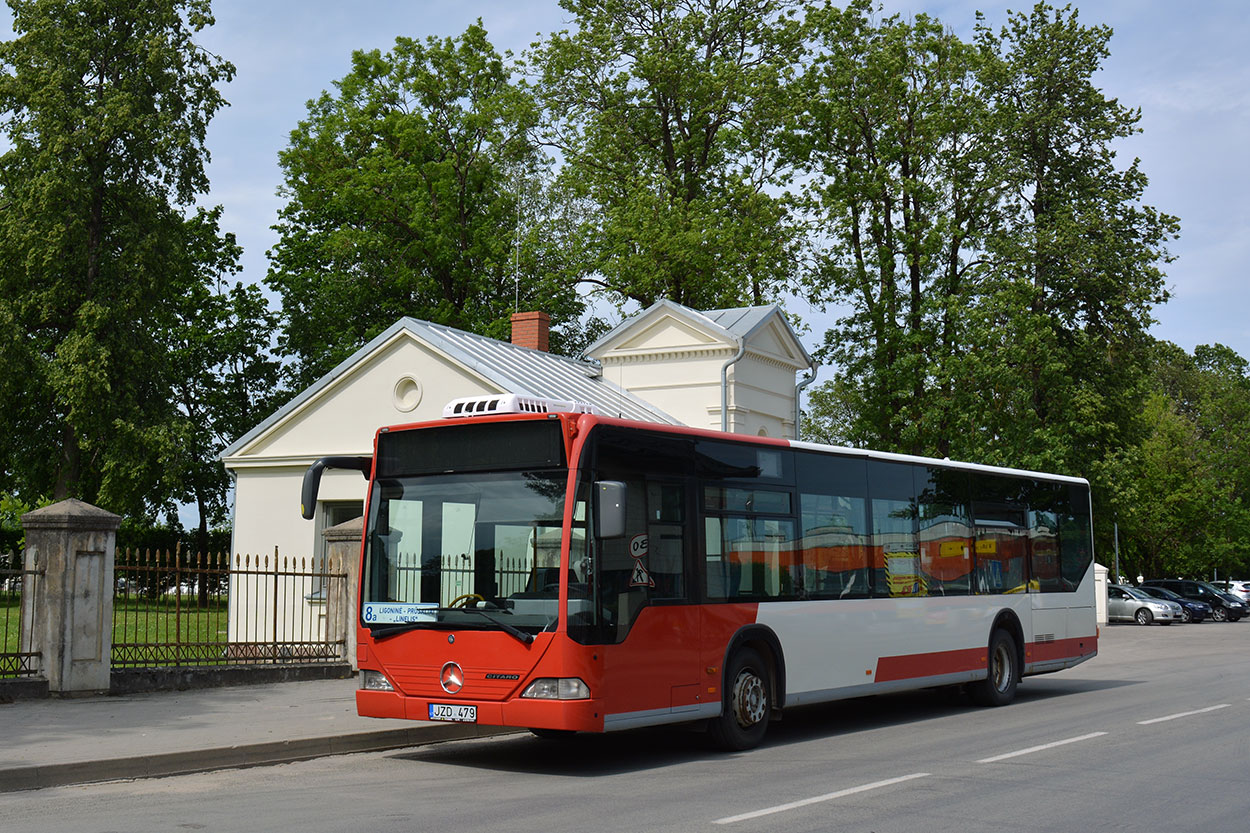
(525, 713)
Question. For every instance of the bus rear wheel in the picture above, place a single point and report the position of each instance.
(747, 703)
(999, 686)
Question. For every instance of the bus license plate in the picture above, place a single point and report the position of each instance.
(454, 713)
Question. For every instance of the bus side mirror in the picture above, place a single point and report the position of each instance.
(609, 508)
(312, 478)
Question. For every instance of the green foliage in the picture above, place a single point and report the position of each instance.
(666, 115)
(999, 265)
(904, 194)
(224, 380)
(1074, 268)
(105, 107)
(412, 191)
(12, 538)
(136, 538)
(1180, 493)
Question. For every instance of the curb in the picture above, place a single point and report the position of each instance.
(235, 757)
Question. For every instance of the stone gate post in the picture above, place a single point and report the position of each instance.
(343, 557)
(73, 542)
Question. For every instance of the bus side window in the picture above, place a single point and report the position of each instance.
(750, 557)
(835, 539)
(717, 567)
(892, 490)
(999, 521)
(665, 560)
(1044, 537)
(944, 530)
(1075, 547)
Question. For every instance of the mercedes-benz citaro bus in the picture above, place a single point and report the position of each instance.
(531, 563)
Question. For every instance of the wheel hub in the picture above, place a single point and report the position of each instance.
(749, 701)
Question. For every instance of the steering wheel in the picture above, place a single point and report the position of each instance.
(465, 599)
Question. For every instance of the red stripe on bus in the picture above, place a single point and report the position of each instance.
(909, 666)
(913, 666)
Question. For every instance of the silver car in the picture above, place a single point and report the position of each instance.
(1237, 589)
(1128, 604)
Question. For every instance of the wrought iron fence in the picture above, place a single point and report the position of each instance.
(173, 610)
(16, 657)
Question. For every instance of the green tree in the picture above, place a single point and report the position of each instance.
(666, 114)
(105, 106)
(1000, 266)
(1057, 340)
(903, 194)
(1162, 494)
(1208, 391)
(415, 190)
(225, 379)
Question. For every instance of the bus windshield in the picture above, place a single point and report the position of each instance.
(470, 550)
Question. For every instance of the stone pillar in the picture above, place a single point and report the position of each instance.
(342, 594)
(73, 543)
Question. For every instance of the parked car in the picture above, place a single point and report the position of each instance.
(1240, 589)
(1128, 604)
(1191, 610)
(1223, 608)
(1236, 606)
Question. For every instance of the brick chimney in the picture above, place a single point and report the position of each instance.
(529, 329)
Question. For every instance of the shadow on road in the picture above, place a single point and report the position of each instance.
(638, 750)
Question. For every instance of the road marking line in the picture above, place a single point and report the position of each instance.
(1183, 714)
(781, 808)
(1032, 749)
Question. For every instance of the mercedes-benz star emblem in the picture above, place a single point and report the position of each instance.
(451, 678)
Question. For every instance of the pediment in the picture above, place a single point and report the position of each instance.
(775, 341)
(665, 333)
(402, 380)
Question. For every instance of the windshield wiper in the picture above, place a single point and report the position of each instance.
(511, 630)
(383, 631)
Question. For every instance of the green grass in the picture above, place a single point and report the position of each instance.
(173, 633)
(10, 623)
(153, 633)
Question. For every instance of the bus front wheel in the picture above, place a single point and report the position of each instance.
(999, 686)
(747, 703)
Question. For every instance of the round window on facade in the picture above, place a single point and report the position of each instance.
(407, 394)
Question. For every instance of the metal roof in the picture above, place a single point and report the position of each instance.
(514, 369)
(519, 369)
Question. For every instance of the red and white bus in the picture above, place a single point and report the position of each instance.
(532, 564)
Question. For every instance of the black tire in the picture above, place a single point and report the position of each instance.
(1219, 614)
(1144, 616)
(746, 703)
(1187, 615)
(1003, 667)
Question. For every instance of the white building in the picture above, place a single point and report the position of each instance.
(733, 369)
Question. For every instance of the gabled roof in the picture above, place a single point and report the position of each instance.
(734, 326)
(510, 367)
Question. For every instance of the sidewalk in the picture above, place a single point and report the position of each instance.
(52, 742)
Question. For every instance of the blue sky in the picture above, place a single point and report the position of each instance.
(1183, 64)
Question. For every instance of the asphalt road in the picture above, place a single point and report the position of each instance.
(1150, 735)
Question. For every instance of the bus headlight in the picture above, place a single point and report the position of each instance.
(374, 681)
(553, 688)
